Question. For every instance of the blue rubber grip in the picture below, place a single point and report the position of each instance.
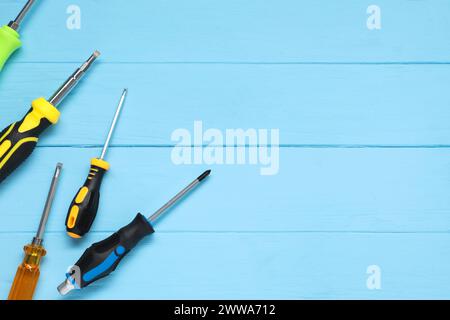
(103, 257)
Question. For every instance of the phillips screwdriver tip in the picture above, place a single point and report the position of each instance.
(96, 53)
(204, 175)
(178, 196)
(58, 170)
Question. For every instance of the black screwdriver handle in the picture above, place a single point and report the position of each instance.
(103, 257)
(84, 206)
(18, 140)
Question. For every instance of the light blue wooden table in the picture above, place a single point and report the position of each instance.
(364, 122)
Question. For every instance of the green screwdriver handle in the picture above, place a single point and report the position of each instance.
(9, 37)
(9, 42)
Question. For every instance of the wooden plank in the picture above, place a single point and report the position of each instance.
(362, 105)
(235, 31)
(249, 265)
(363, 118)
(318, 189)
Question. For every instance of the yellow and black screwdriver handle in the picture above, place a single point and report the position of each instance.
(18, 140)
(84, 206)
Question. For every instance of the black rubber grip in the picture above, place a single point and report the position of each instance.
(16, 147)
(103, 257)
(82, 214)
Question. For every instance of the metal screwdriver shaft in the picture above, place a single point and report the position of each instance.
(48, 205)
(84, 206)
(15, 24)
(70, 83)
(9, 35)
(103, 257)
(19, 139)
(113, 124)
(178, 196)
(28, 272)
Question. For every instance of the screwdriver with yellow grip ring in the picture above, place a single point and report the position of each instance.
(18, 140)
(84, 206)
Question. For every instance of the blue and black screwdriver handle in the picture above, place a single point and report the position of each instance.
(19, 139)
(84, 206)
(103, 257)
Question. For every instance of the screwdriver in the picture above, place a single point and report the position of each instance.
(18, 140)
(9, 37)
(27, 274)
(103, 257)
(84, 206)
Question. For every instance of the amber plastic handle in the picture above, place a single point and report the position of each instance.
(27, 274)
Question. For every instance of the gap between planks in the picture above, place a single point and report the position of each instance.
(350, 63)
(293, 146)
(344, 232)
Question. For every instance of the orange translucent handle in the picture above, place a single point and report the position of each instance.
(27, 274)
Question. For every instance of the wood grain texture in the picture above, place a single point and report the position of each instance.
(364, 128)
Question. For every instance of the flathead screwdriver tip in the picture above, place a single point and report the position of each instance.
(90, 60)
(72, 81)
(204, 175)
